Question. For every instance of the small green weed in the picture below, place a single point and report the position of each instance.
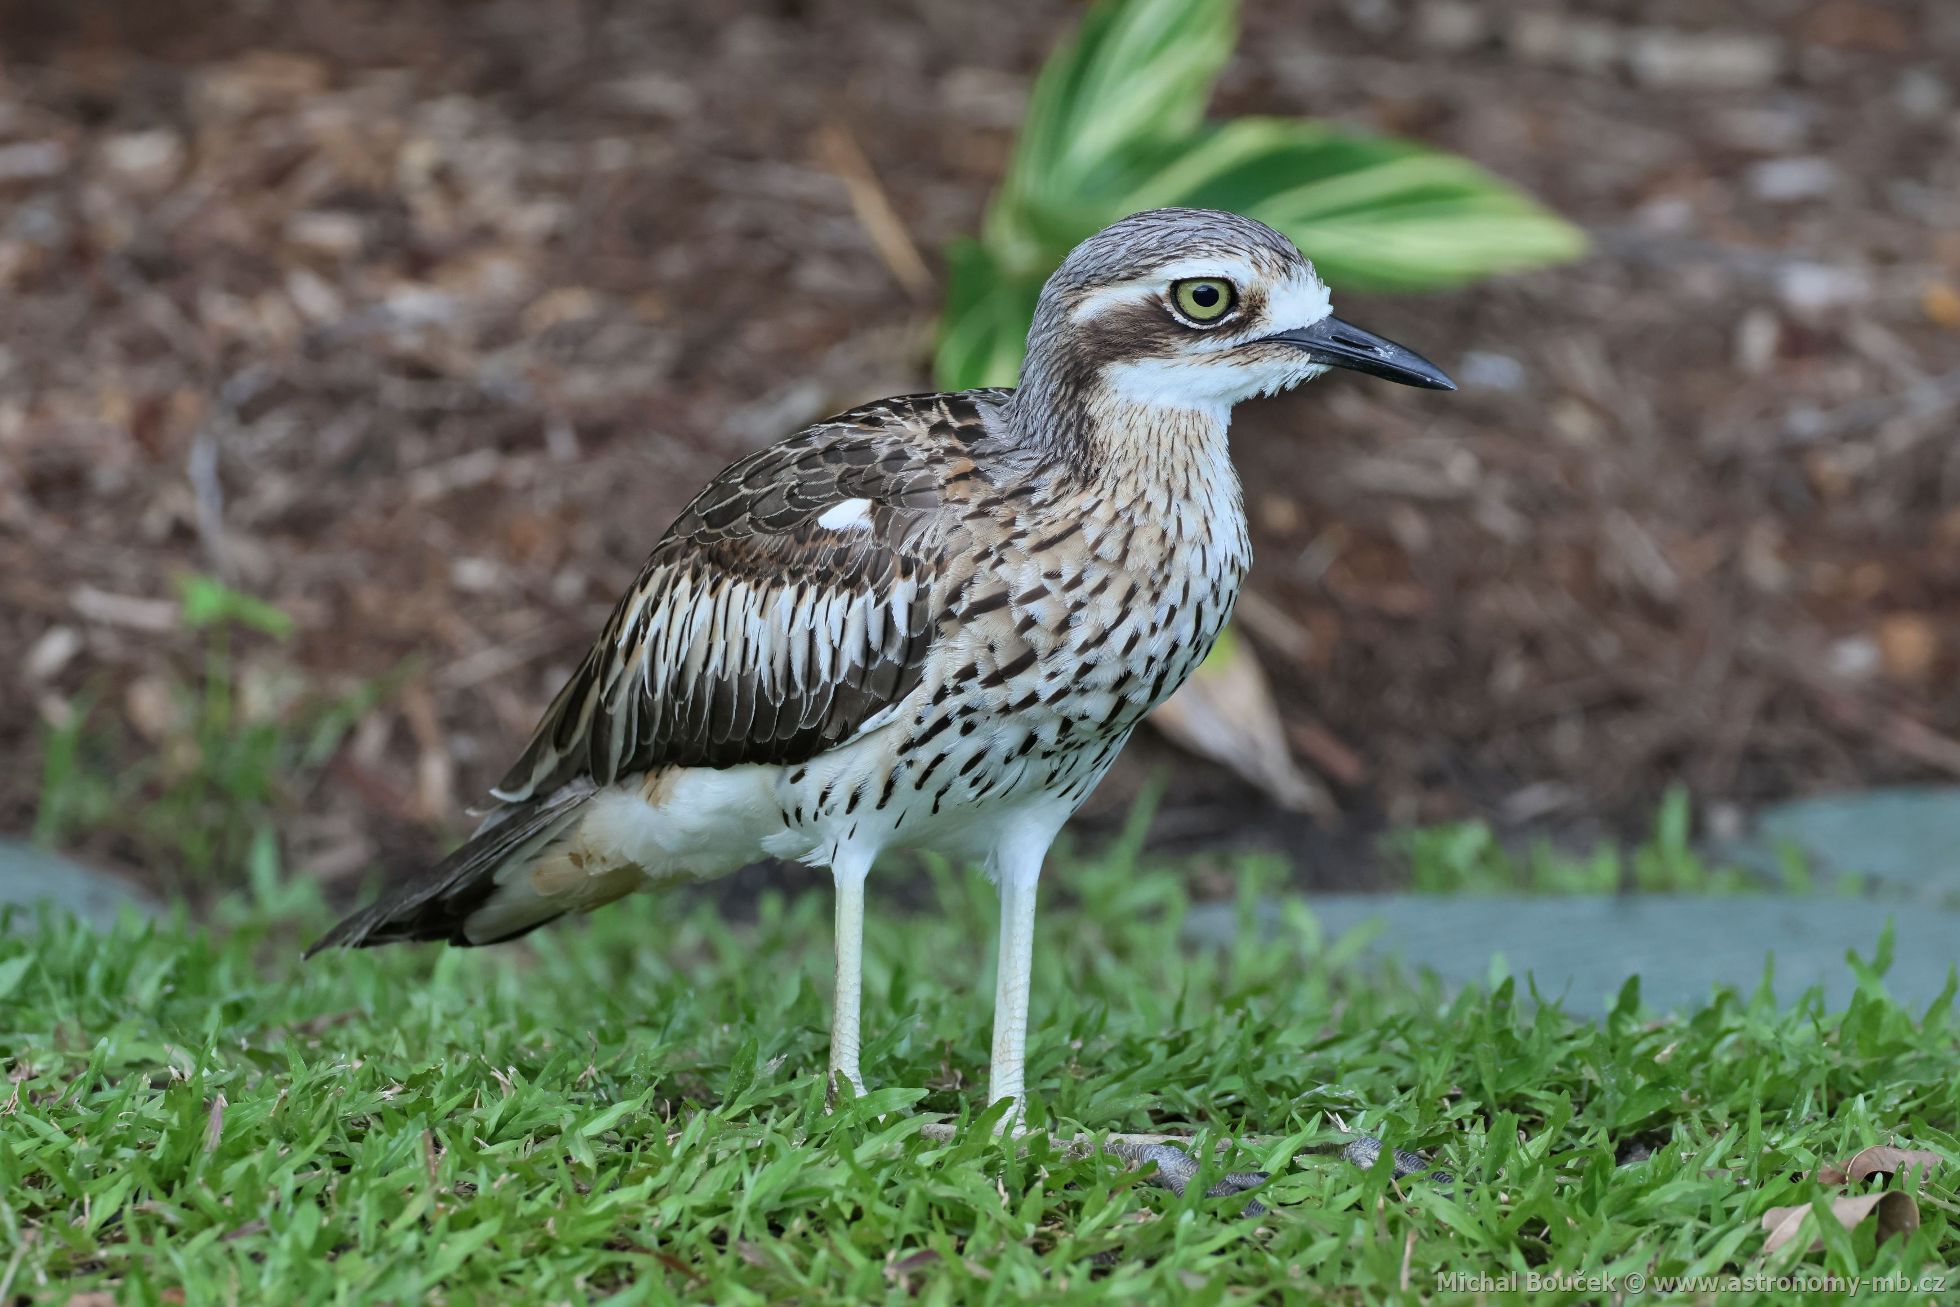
(235, 745)
(1468, 858)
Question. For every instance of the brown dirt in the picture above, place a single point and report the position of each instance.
(421, 320)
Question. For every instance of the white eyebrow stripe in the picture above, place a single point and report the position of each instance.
(849, 515)
(1237, 271)
(1102, 299)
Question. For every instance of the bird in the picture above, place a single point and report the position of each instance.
(929, 623)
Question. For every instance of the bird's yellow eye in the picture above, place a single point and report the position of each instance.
(1203, 299)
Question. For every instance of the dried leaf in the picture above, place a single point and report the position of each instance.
(1226, 713)
(675, 1264)
(1879, 1159)
(154, 616)
(900, 1271)
(1941, 303)
(1327, 753)
(1908, 646)
(214, 1124)
(435, 771)
(1894, 1212)
(154, 709)
(1883, 1159)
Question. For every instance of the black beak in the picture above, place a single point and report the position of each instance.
(1339, 345)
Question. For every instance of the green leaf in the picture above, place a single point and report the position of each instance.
(741, 1070)
(1372, 213)
(458, 1246)
(612, 1116)
(206, 601)
(1115, 125)
(1133, 79)
(987, 317)
(11, 972)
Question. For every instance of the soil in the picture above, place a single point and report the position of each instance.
(420, 321)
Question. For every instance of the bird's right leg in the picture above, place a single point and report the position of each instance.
(848, 871)
(1014, 978)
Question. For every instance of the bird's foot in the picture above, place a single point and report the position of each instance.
(840, 1075)
(1362, 1150)
(1176, 1169)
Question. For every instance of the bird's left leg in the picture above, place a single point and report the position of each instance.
(1017, 869)
(848, 870)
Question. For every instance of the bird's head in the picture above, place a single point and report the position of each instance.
(1197, 309)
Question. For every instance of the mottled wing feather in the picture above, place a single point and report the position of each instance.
(756, 634)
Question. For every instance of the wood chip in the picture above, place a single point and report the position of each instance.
(157, 616)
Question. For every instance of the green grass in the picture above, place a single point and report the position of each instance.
(241, 745)
(631, 1110)
(1468, 858)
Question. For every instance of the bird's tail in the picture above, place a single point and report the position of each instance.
(482, 893)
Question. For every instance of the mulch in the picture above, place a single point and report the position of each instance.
(420, 321)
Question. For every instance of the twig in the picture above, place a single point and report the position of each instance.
(493, 661)
(873, 207)
(201, 470)
(1846, 706)
(1332, 756)
(1274, 626)
(1925, 400)
(154, 616)
(1904, 734)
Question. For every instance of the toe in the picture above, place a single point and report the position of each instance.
(1176, 1169)
(1238, 1182)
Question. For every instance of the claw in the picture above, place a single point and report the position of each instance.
(1176, 1169)
(1362, 1150)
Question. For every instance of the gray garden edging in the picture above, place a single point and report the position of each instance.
(1581, 949)
(30, 875)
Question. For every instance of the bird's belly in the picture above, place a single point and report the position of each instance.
(946, 790)
(1027, 706)
(880, 791)
(969, 746)
(682, 823)
(1081, 674)
(1022, 711)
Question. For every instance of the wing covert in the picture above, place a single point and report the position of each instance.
(790, 603)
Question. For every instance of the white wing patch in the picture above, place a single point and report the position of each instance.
(851, 515)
